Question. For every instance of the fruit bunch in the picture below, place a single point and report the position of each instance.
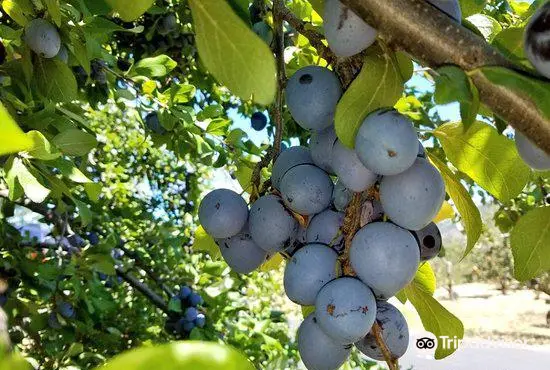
(399, 194)
(192, 317)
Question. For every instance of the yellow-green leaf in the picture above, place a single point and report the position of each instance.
(18, 10)
(530, 241)
(54, 10)
(435, 318)
(318, 6)
(424, 279)
(13, 139)
(446, 212)
(232, 53)
(306, 310)
(55, 80)
(187, 355)
(380, 84)
(75, 142)
(273, 263)
(205, 243)
(34, 190)
(41, 149)
(490, 159)
(130, 10)
(471, 217)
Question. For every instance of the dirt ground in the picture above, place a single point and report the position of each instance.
(486, 313)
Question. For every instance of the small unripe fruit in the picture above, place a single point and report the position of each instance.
(223, 213)
(264, 31)
(347, 34)
(312, 94)
(531, 154)
(43, 38)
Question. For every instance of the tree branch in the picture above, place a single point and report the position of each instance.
(279, 49)
(376, 331)
(143, 289)
(434, 39)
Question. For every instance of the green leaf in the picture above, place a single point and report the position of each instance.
(436, 319)
(318, 6)
(34, 190)
(510, 43)
(530, 240)
(189, 355)
(378, 85)
(174, 304)
(205, 243)
(54, 11)
(490, 159)
(41, 149)
(70, 171)
(84, 212)
(244, 174)
(424, 279)
(537, 90)
(55, 80)
(74, 349)
(14, 362)
(75, 142)
(101, 27)
(129, 10)
(488, 26)
(13, 139)
(93, 191)
(307, 310)
(232, 53)
(19, 11)
(470, 7)
(471, 217)
(218, 127)
(158, 66)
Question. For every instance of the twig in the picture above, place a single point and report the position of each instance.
(143, 289)
(315, 38)
(279, 50)
(376, 331)
(351, 224)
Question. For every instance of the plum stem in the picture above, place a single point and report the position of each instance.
(376, 331)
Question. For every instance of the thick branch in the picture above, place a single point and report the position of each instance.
(434, 39)
(143, 289)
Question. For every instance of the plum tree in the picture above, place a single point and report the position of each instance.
(320, 145)
(241, 253)
(291, 157)
(535, 157)
(385, 257)
(412, 198)
(351, 172)
(317, 350)
(325, 228)
(42, 38)
(395, 333)
(309, 269)
(386, 142)
(258, 121)
(451, 7)
(223, 213)
(537, 45)
(346, 33)
(306, 189)
(311, 96)
(429, 240)
(271, 225)
(345, 309)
